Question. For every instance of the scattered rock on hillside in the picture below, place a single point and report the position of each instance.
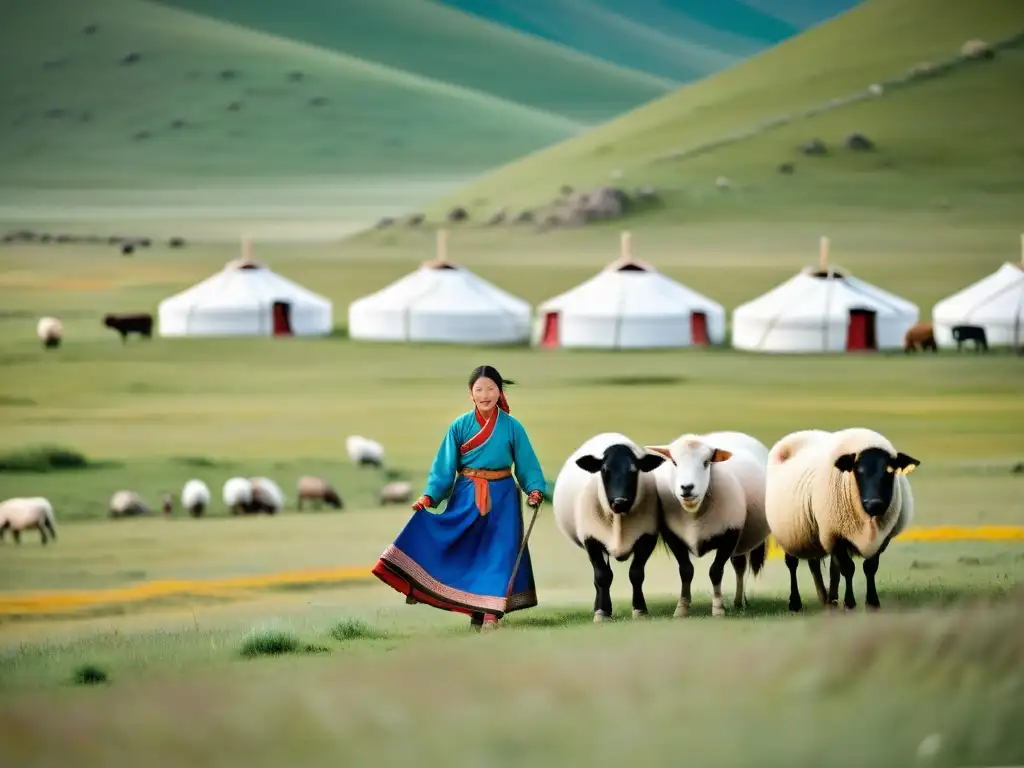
(786, 168)
(977, 49)
(814, 147)
(132, 57)
(458, 213)
(859, 142)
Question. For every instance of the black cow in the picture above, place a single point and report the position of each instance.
(140, 323)
(975, 333)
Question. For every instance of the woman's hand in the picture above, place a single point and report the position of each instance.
(422, 503)
(535, 498)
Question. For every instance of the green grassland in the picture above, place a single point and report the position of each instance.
(945, 143)
(151, 414)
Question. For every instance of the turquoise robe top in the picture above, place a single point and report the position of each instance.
(508, 447)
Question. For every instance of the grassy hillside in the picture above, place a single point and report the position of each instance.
(950, 139)
(680, 39)
(429, 39)
(206, 99)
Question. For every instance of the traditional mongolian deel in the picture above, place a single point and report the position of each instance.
(462, 558)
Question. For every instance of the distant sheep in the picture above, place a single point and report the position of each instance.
(237, 494)
(266, 496)
(140, 323)
(195, 497)
(606, 503)
(839, 493)
(920, 335)
(24, 514)
(127, 504)
(977, 49)
(458, 213)
(176, 242)
(723, 183)
(132, 57)
(50, 332)
(364, 452)
(319, 491)
(398, 492)
(712, 500)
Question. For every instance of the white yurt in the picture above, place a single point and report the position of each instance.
(823, 310)
(995, 303)
(246, 298)
(441, 302)
(629, 305)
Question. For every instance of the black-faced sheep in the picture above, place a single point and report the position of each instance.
(606, 503)
(50, 332)
(237, 494)
(195, 497)
(139, 322)
(319, 491)
(839, 493)
(24, 514)
(266, 496)
(127, 504)
(712, 500)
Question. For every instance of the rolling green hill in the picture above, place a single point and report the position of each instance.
(211, 100)
(951, 139)
(432, 40)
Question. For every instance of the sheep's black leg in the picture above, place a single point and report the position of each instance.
(814, 566)
(724, 545)
(739, 564)
(870, 569)
(602, 578)
(833, 581)
(795, 603)
(3, 530)
(17, 536)
(642, 551)
(847, 568)
(678, 548)
(42, 534)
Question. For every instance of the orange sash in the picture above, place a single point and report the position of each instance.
(481, 484)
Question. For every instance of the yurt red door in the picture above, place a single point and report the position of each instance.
(699, 329)
(550, 336)
(860, 333)
(282, 318)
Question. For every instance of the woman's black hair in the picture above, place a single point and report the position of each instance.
(489, 372)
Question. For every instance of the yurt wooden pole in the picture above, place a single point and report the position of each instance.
(442, 244)
(246, 247)
(823, 254)
(626, 246)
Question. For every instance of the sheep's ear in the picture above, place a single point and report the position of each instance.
(650, 462)
(721, 455)
(846, 462)
(662, 449)
(905, 464)
(589, 463)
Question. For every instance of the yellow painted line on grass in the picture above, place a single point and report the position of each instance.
(71, 600)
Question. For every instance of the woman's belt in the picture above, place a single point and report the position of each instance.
(481, 484)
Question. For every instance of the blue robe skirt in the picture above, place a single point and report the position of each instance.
(460, 560)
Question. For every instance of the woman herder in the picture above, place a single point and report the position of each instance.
(462, 559)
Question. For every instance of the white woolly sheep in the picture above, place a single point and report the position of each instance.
(606, 502)
(50, 332)
(397, 492)
(237, 494)
(24, 514)
(195, 497)
(712, 499)
(266, 496)
(319, 491)
(363, 451)
(127, 504)
(839, 493)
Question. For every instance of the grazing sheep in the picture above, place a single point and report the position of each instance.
(176, 242)
(364, 452)
(127, 504)
(129, 248)
(712, 499)
(977, 49)
(841, 494)
(139, 322)
(920, 335)
(237, 494)
(50, 332)
(195, 497)
(458, 213)
(398, 492)
(606, 502)
(132, 57)
(319, 491)
(266, 496)
(24, 514)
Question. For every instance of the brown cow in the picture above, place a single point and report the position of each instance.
(920, 335)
